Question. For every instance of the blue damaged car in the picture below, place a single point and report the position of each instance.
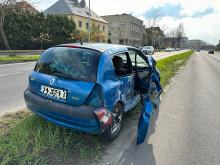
(87, 87)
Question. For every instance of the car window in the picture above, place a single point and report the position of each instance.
(123, 56)
(126, 68)
(140, 61)
(72, 63)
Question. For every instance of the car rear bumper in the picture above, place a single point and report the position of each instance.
(80, 118)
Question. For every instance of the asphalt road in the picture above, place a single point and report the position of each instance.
(186, 128)
(161, 55)
(13, 81)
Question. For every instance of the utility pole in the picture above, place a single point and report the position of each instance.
(89, 37)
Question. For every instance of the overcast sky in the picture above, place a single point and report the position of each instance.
(201, 18)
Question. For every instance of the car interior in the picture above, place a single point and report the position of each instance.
(122, 64)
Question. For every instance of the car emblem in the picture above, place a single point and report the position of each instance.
(52, 81)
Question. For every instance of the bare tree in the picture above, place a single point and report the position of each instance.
(5, 6)
(171, 39)
(152, 38)
(154, 19)
(179, 33)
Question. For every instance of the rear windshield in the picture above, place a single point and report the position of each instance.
(71, 63)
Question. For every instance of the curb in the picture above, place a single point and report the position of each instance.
(12, 111)
(16, 62)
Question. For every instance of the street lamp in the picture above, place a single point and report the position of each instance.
(89, 23)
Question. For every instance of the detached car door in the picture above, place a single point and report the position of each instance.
(142, 70)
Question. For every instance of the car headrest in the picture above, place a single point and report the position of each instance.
(118, 62)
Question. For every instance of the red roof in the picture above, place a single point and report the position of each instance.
(26, 6)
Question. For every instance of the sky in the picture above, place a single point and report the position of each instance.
(201, 18)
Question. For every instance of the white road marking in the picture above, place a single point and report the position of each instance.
(8, 74)
(17, 63)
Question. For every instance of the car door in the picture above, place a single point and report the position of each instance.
(142, 71)
(141, 67)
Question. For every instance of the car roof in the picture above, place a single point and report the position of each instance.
(101, 47)
(148, 47)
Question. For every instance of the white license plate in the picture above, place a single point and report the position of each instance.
(52, 92)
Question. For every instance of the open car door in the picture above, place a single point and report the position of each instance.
(147, 82)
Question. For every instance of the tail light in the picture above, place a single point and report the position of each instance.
(105, 118)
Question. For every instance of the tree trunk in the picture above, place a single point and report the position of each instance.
(2, 32)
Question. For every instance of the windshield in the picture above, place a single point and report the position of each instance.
(71, 63)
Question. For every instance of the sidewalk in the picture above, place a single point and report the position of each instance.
(141, 154)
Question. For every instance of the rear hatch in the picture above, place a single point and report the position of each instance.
(65, 74)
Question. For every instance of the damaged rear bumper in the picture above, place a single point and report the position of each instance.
(80, 118)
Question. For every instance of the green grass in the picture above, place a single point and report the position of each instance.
(32, 140)
(19, 58)
(28, 139)
(169, 66)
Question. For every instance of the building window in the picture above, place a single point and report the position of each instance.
(103, 28)
(87, 25)
(122, 33)
(80, 24)
(98, 27)
(109, 33)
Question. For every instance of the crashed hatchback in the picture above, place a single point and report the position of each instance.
(89, 87)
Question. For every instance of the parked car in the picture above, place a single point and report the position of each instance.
(198, 50)
(148, 50)
(211, 51)
(87, 87)
(169, 49)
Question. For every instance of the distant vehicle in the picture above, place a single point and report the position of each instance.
(211, 52)
(148, 50)
(198, 50)
(169, 49)
(177, 49)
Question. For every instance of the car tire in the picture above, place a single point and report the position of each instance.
(114, 130)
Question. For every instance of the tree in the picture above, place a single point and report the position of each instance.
(5, 6)
(152, 35)
(96, 34)
(179, 34)
(28, 30)
(81, 36)
(218, 46)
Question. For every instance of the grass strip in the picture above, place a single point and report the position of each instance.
(28, 139)
(169, 66)
(19, 58)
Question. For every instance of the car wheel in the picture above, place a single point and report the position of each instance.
(117, 118)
